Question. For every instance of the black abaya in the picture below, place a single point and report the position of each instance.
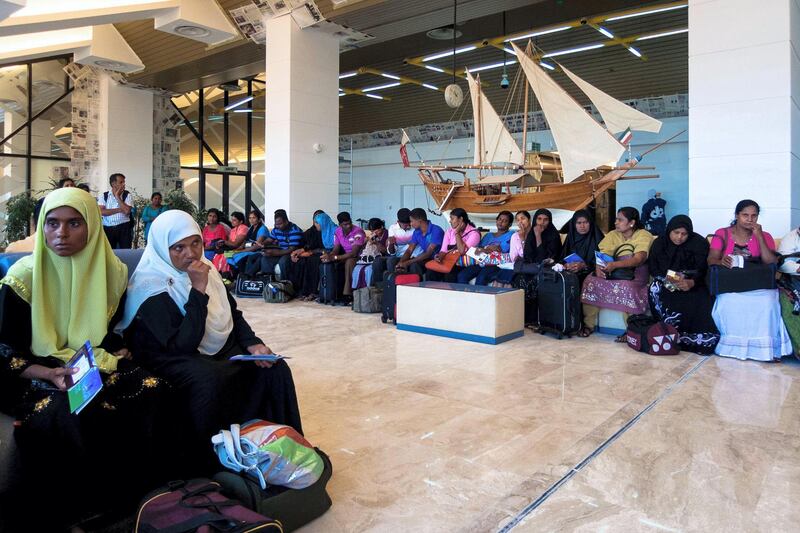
(211, 392)
(112, 443)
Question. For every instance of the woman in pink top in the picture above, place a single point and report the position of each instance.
(213, 232)
(235, 241)
(749, 323)
(461, 236)
(743, 237)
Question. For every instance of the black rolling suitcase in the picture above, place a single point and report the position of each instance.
(390, 282)
(559, 302)
(329, 283)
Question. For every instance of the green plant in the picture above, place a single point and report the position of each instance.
(178, 199)
(139, 203)
(19, 210)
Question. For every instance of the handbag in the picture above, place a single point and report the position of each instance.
(448, 262)
(626, 273)
(752, 277)
(646, 334)
(271, 454)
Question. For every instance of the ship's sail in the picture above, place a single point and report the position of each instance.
(493, 143)
(582, 142)
(617, 115)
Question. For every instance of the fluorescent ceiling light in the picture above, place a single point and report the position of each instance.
(574, 50)
(449, 53)
(605, 32)
(643, 13)
(390, 76)
(538, 33)
(548, 66)
(240, 102)
(347, 75)
(634, 51)
(342, 94)
(665, 34)
(489, 67)
(379, 87)
(243, 111)
(374, 96)
(429, 86)
(435, 69)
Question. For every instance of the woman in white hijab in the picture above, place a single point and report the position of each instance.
(183, 326)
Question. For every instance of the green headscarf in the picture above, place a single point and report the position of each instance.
(72, 298)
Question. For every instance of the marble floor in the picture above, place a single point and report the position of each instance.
(434, 434)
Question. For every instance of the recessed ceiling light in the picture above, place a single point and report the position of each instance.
(192, 31)
(111, 65)
(443, 34)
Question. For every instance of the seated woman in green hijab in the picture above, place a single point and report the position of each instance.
(52, 302)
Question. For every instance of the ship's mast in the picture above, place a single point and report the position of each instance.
(479, 126)
(529, 51)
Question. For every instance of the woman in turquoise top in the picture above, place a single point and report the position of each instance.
(498, 241)
(150, 212)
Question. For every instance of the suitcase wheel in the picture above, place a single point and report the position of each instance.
(560, 336)
(383, 319)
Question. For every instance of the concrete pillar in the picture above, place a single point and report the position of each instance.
(302, 121)
(744, 119)
(125, 136)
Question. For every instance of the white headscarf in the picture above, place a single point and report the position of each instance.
(155, 274)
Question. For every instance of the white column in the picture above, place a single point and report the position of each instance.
(302, 110)
(744, 119)
(125, 137)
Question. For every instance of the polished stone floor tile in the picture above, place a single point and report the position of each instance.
(433, 434)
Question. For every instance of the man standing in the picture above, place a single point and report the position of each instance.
(115, 206)
(400, 234)
(427, 238)
(288, 237)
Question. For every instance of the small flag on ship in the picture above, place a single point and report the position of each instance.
(403, 143)
(626, 137)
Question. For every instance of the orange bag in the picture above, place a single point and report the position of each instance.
(448, 262)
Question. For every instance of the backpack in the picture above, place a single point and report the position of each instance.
(294, 508)
(124, 197)
(646, 334)
(198, 505)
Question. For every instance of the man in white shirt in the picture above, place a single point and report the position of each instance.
(400, 234)
(115, 206)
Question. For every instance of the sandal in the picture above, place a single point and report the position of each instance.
(584, 332)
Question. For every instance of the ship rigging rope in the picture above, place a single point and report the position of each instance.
(462, 108)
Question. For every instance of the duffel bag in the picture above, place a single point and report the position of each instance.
(368, 300)
(278, 292)
(248, 286)
(294, 508)
(751, 277)
(198, 505)
(646, 334)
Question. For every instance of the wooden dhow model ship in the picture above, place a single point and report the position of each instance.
(582, 169)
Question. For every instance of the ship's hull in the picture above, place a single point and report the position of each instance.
(483, 203)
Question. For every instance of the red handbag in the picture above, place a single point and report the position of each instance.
(448, 262)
